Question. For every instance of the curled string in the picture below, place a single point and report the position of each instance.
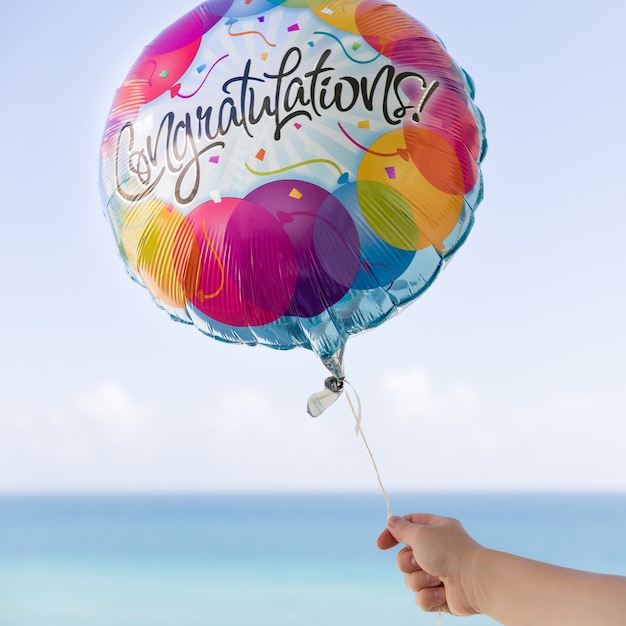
(294, 166)
(363, 62)
(359, 431)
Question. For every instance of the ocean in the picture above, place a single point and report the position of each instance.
(263, 560)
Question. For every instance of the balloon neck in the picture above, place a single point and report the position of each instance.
(333, 386)
(334, 364)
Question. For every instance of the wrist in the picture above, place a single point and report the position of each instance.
(473, 572)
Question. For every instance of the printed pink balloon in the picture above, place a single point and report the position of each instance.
(231, 237)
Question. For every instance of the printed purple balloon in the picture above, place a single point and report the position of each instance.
(324, 240)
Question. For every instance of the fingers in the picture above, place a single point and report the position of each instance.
(404, 529)
(406, 561)
(432, 599)
(416, 578)
(419, 579)
(386, 540)
(401, 529)
(425, 519)
(430, 594)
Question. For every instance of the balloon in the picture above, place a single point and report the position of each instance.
(291, 173)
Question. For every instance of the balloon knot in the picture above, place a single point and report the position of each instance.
(334, 384)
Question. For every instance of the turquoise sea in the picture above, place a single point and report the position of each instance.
(262, 560)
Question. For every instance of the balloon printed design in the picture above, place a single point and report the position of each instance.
(291, 173)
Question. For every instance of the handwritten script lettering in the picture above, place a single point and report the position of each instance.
(176, 146)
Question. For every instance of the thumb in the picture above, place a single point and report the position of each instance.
(401, 529)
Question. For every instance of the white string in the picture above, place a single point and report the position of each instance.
(359, 431)
(358, 413)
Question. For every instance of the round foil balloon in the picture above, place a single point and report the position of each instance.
(291, 173)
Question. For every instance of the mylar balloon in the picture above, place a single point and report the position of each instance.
(291, 173)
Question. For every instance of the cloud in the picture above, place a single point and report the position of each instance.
(562, 416)
(112, 410)
(453, 438)
(78, 442)
(413, 394)
(246, 410)
(425, 434)
(571, 440)
(254, 416)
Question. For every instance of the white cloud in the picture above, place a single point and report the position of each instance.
(112, 410)
(573, 412)
(450, 437)
(78, 443)
(425, 435)
(246, 410)
(569, 441)
(248, 440)
(413, 394)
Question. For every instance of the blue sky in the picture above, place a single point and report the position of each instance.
(506, 375)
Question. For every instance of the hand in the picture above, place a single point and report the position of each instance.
(436, 561)
(449, 571)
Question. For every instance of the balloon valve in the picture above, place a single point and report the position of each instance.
(322, 400)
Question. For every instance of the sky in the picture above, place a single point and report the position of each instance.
(506, 375)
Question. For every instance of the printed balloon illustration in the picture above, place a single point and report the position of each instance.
(291, 173)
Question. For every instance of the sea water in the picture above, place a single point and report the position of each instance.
(263, 560)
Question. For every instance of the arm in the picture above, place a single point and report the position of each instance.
(448, 570)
